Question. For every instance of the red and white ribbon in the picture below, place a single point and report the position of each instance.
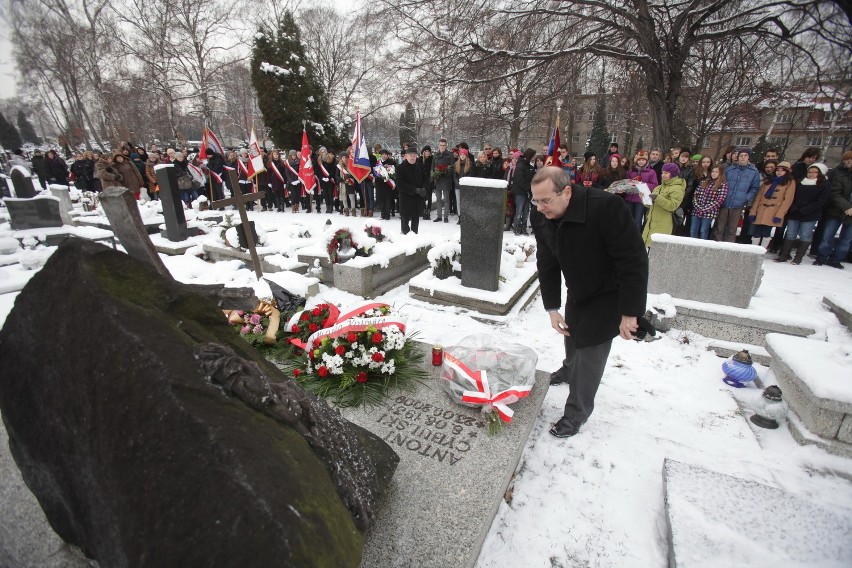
(482, 395)
(355, 326)
(335, 320)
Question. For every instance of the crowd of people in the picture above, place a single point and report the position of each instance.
(798, 206)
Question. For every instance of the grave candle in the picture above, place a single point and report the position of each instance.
(437, 355)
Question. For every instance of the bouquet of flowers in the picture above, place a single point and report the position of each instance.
(623, 186)
(478, 374)
(387, 173)
(374, 232)
(440, 171)
(359, 358)
(260, 327)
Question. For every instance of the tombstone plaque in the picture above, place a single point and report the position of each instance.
(451, 478)
(22, 182)
(176, 229)
(482, 211)
(33, 213)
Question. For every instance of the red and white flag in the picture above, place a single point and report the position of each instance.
(255, 161)
(306, 165)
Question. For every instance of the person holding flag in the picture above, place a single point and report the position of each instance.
(306, 171)
(360, 165)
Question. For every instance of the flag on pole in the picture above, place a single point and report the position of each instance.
(306, 165)
(255, 161)
(553, 147)
(359, 162)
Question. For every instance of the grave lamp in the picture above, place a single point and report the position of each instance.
(739, 370)
(770, 408)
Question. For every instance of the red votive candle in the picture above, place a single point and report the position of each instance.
(437, 355)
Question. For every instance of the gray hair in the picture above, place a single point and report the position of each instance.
(557, 175)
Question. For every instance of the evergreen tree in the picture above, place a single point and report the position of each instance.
(288, 91)
(759, 150)
(600, 137)
(9, 137)
(26, 129)
(641, 144)
(408, 126)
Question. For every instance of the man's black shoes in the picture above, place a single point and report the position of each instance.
(564, 428)
(557, 379)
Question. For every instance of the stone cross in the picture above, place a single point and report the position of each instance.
(176, 229)
(239, 200)
(120, 207)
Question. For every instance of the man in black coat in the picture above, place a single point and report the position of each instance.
(588, 237)
(409, 177)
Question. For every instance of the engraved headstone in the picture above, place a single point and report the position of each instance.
(482, 209)
(451, 477)
(33, 213)
(176, 229)
(22, 182)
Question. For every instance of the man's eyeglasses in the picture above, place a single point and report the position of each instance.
(537, 202)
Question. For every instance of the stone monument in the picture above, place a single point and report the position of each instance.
(482, 211)
(176, 229)
(170, 441)
(22, 182)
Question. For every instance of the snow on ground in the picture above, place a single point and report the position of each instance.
(597, 499)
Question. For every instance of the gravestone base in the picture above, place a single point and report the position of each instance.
(151, 224)
(841, 307)
(222, 252)
(372, 280)
(191, 231)
(732, 324)
(519, 291)
(451, 477)
(714, 519)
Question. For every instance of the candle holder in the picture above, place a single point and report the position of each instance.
(771, 408)
(739, 370)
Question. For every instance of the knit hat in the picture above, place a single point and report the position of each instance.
(516, 154)
(641, 155)
(821, 167)
(745, 151)
(410, 150)
(426, 147)
(672, 169)
(463, 152)
(697, 158)
(616, 155)
(588, 155)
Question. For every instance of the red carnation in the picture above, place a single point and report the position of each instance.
(340, 350)
(304, 316)
(378, 357)
(362, 377)
(316, 342)
(316, 311)
(322, 371)
(313, 327)
(351, 337)
(377, 337)
(296, 372)
(295, 329)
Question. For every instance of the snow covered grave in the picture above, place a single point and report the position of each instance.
(715, 519)
(816, 381)
(452, 475)
(692, 269)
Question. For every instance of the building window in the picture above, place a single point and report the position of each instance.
(610, 117)
(813, 141)
(705, 142)
(613, 139)
(743, 141)
(830, 116)
(575, 138)
(591, 116)
(785, 118)
(837, 141)
(778, 141)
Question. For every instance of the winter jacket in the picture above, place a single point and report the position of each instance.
(597, 249)
(481, 170)
(647, 176)
(766, 209)
(132, 180)
(461, 173)
(606, 179)
(580, 177)
(743, 182)
(841, 194)
(40, 166)
(57, 170)
(109, 176)
(275, 183)
(84, 171)
(706, 201)
(809, 201)
(659, 218)
(408, 178)
(522, 179)
(426, 167)
(447, 159)
(295, 187)
(150, 174)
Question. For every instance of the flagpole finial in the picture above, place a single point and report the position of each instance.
(304, 123)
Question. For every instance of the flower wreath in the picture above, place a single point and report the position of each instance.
(375, 232)
(334, 245)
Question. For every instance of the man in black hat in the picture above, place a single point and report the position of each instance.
(409, 178)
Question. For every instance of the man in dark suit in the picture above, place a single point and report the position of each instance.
(588, 237)
(409, 177)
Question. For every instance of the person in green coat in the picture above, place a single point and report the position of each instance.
(666, 198)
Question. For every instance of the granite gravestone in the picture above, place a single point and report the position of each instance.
(61, 193)
(119, 204)
(170, 441)
(452, 475)
(482, 211)
(22, 182)
(176, 229)
(38, 212)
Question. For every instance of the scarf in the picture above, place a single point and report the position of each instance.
(808, 181)
(775, 181)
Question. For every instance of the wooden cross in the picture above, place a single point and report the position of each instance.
(239, 200)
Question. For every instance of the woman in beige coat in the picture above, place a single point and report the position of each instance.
(772, 201)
